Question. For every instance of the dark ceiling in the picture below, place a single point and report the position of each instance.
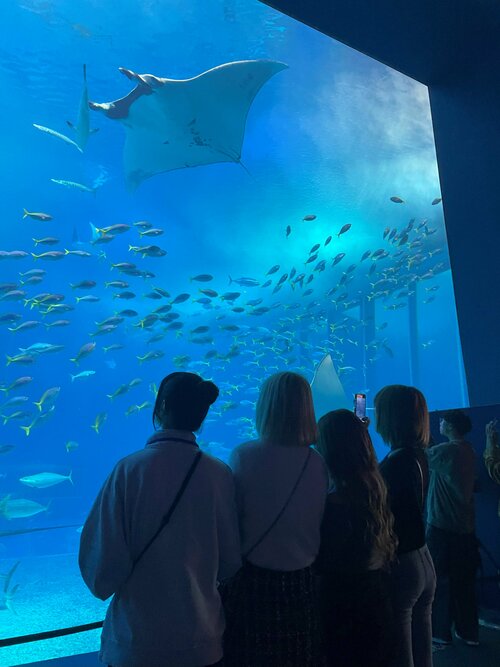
(425, 39)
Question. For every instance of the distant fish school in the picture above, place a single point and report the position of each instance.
(47, 302)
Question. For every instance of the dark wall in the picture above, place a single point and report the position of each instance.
(453, 46)
(426, 40)
(466, 118)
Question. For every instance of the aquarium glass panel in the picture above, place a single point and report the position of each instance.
(264, 198)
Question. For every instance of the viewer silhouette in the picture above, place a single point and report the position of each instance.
(166, 608)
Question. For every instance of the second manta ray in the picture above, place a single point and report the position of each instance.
(82, 127)
(172, 124)
(327, 390)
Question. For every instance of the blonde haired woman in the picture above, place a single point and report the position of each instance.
(281, 487)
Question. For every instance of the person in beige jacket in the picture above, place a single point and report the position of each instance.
(166, 610)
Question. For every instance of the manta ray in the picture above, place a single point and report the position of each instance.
(173, 124)
(328, 393)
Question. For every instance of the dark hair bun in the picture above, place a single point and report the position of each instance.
(460, 421)
(186, 398)
(208, 391)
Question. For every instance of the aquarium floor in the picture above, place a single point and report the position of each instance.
(454, 656)
(51, 595)
(459, 655)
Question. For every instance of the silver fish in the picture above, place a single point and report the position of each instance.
(73, 184)
(43, 480)
(20, 508)
(58, 135)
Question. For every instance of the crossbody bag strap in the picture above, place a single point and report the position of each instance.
(172, 507)
(422, 480)
(282, 510)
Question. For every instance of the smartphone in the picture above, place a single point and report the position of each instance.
(360, 405)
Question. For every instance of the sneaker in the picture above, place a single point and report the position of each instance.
(441, 642)
(469, 642)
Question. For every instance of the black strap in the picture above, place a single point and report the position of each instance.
(174, 504)
(422, 494)
(282, 510)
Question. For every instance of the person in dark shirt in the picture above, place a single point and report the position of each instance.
(402, 419)
(451, 532)
(357, 544)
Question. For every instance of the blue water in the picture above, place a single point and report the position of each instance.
(335, 136)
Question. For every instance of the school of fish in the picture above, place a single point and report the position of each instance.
(233, 329)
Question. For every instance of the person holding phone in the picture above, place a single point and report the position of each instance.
(357, 546)
(161, 534)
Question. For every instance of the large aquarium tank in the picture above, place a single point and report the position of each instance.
(242, 195)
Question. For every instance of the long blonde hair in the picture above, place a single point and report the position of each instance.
(347, 448)
(285, 411)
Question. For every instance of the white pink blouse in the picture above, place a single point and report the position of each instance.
(264, 476)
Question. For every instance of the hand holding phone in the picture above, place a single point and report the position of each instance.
(360, 406)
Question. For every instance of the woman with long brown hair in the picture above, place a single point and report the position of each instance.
(357, 545)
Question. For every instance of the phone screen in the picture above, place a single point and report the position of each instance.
(360, 405)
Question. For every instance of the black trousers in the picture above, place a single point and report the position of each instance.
(456, 560)
(357, 619)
